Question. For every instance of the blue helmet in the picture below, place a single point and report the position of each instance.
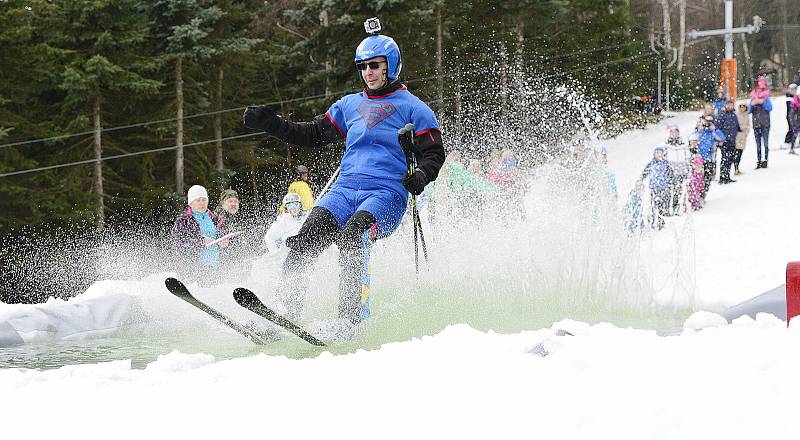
(381, 46)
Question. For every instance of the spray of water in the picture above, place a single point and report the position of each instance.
(551, 247)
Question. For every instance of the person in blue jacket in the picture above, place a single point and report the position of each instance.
(660, 173)
(368, 200)
(708, 137)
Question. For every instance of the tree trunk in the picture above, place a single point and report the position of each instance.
(99, 207)
(179, 126)
(439, 80)
(323, 21)
(682, 40)
(667, 26)
(218, 118)
(785, 43)
(503, 75)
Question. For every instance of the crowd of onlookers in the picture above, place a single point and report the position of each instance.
(680, 173)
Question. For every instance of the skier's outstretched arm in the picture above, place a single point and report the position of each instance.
(316, 133)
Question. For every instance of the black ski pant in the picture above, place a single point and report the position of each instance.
(709, 168)
(728, 155)
(319, 231)
(660, 200)
(737, 158)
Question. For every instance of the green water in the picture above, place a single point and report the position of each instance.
(399, 316)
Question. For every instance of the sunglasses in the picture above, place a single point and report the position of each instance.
(374, 65)
(293, 205)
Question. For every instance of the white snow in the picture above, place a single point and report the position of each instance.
(713, 380)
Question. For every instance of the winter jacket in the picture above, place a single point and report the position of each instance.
(303, 189)
(708, 142)
(728, 123)
(794, 114)
(285, 226)
(187, 237)
(744, 126)
(760, 113)
(660, 174)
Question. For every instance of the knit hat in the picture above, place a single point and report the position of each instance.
(195, 192)
(227, 194)
(659, 148)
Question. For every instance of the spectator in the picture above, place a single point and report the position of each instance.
(228, 210)
(741, 137)
(719, 101)
(679, 157)
(708, 135)
(760, 107)
(660, 174)
(302, 187)
(708, 110)
(193, 230)
(612, 178)
(286, 225)
(696, 192)
(674, 135)
(633, 212)
(794, 120)
(728, 124)
(790, 92)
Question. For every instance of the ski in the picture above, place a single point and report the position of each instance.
(250, 301)
(178, 289)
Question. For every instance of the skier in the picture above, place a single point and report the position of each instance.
(286, 225)
(368, 200)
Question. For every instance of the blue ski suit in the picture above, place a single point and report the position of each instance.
(368, 200)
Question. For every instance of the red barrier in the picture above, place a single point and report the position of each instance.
(792, 290)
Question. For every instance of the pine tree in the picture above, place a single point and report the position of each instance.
(104, 39)
(182, 28)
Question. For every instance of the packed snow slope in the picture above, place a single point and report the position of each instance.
(713, 380)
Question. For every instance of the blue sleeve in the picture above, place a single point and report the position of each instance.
(719, 135)
(423, 118)
(336, 115)
(768, 105)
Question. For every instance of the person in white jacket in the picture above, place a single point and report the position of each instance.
(286, 225)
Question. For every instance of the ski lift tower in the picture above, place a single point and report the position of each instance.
(728, 66)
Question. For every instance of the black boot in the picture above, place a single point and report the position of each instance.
(764, 164)
(758, 164)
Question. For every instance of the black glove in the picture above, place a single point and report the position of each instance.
(261, 117)
(415, 182)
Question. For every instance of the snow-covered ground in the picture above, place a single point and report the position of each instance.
(732, 381)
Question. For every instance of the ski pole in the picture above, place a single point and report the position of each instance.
(328, 185)
(406, 137)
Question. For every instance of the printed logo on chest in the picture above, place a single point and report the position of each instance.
(374, 113)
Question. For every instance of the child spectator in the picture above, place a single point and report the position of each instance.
(660, 174)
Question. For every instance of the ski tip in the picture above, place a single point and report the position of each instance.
(243, 296)
(173, 284)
